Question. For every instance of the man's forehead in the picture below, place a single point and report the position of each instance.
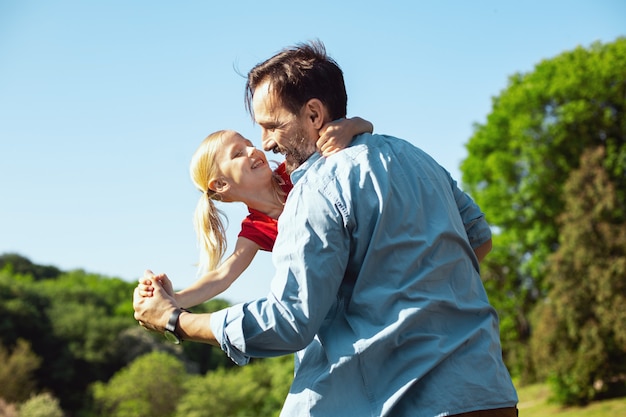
(263, 96)
(265, 103)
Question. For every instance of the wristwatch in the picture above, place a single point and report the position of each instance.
(170, 328)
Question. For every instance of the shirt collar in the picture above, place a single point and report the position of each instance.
(301, 170)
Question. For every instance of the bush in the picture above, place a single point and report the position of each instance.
(42, 405)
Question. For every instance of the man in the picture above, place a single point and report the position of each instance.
(377, 287)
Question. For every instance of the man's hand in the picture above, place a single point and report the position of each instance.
(483, 250)
(153, 312)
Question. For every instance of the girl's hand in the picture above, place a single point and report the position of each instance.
(338, 134)
(145, 288)
(146, 285)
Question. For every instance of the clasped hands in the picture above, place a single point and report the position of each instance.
(153, 301)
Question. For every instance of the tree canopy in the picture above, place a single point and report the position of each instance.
(63, 331)
(521, 170)
(580, 339)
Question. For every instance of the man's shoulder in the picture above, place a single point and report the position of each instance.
(367, 152)
(381, 142)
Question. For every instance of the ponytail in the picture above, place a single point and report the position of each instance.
(210, 232)
(208, 219)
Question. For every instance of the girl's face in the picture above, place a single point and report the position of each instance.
(242, 167)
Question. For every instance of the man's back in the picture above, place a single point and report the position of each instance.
(373, 240)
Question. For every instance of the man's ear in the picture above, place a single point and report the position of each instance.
(316, 113)
(219, 185)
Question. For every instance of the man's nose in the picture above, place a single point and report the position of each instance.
(268, 142)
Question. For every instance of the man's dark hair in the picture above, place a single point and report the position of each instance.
(298, 74)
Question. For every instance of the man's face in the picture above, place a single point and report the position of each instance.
(282, 131)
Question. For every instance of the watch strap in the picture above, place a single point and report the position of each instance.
(173, 321)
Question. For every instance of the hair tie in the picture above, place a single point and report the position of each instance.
(212, 195)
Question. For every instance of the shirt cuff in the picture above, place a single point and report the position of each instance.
(222, 322)
(478, 232)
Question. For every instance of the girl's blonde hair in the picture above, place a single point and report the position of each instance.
(208, 219)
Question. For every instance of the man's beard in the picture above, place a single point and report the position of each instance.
(301, 150)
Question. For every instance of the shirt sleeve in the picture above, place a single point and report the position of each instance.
(476, 226)
(310, 257)
(219, 322)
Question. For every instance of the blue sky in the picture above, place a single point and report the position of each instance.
(103, 103)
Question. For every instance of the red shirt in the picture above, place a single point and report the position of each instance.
(259, 227)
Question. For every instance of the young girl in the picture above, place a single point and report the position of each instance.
(226, 167)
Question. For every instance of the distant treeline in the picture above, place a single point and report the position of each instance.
(69, 342)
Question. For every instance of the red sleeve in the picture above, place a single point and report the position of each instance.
(260, 229)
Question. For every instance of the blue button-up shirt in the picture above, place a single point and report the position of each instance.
(377, 291)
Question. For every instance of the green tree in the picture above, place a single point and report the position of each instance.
(86, 323)
(201, 357)
(17, 379)
(23, 311)
(72, 322)
(82, 328)
(42, 405)
(255, 390)
(581, 335)
(519, 160)
(18, 264)
(149, 387)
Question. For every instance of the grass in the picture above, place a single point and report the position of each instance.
(534, 402)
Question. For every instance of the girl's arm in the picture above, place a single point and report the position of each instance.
(337, 135)
(217, 281)
(211, 283)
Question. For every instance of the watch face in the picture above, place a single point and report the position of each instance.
(171, 336)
